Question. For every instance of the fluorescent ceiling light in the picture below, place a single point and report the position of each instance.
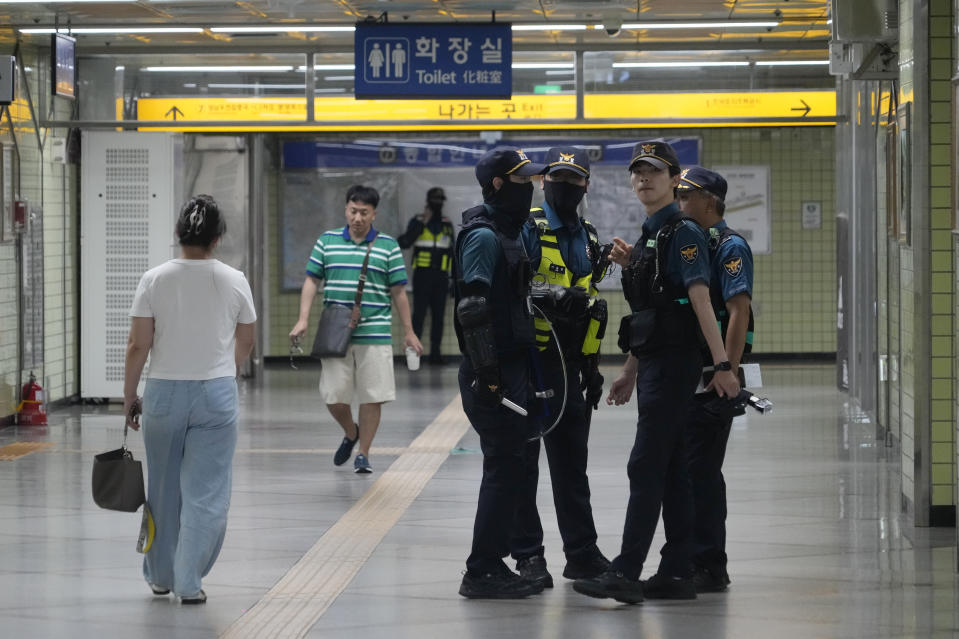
(791, 63)
(327, 67)
(543, 65)
(675, 65)
(561, 72)
(717, 24)
(222, 69)
(281, 28)
(59, 1)
(549, 27)
(114, 30)
(338, 78)
(242, 85)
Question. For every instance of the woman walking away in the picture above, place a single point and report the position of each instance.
(194, 316)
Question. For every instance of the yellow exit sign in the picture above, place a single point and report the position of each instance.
(538, 111)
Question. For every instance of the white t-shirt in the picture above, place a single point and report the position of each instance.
(196, 305)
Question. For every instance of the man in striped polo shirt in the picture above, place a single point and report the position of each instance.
(366, 373)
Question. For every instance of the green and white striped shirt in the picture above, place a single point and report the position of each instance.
(338, 259)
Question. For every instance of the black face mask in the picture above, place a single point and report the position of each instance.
(564, 197)
(511, 204)
(436, 206)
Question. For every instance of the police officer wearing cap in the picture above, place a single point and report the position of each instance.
(494, 327)
(431, 236)
(701, 194)
(666, 283)
(564, 252)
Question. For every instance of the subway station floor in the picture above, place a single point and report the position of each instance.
(817, 545)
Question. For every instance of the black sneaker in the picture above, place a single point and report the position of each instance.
(503, 585)
(664, 587)
(586, 567)
(533, 570)
(707, 580)
(612, 584)
(199, 598)
(346, 447)
(159, 590)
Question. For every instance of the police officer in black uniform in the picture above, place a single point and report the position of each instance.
(666, 282)
(701, 194)
(431, 236)
(494, 327)
(565, 255)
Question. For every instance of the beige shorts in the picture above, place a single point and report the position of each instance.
(365, 374)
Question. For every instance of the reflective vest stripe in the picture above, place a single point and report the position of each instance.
(432, 250)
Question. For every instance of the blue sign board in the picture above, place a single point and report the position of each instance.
(312, 155)
(432, 60)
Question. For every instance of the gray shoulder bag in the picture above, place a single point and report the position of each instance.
(338, 321)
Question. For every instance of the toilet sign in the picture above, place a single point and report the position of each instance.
(430, 60)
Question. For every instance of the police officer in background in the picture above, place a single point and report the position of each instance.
(666, 283)
(431, 236)
(565, 254)
(701, 194)
(494, 327)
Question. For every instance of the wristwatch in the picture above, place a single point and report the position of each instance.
(723, 366)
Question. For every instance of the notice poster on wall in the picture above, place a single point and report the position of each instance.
(748, 207)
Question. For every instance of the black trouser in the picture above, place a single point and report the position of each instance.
(566, 453)
(658, 476)
(503, 436)
(706, 438)
(431, 287)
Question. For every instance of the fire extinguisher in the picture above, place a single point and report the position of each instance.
(32, 411)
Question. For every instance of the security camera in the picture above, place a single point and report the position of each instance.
(612, 26)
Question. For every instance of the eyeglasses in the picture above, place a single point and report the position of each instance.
(295, 349)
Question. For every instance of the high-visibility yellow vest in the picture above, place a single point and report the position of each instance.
(554, 271)
(433, 250)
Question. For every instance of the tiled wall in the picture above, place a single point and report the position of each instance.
(51, 186)
(943, 454)
(795, 288)
(907, 290)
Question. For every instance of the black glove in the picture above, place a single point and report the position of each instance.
(489, 389)
(572, 302)
(591, 381)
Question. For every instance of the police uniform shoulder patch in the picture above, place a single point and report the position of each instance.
(689, 253)
(733, 266)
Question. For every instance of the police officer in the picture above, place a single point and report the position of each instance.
(666, 283)
(564, 253)
(431, 236)
(701, 194)
(494, 327)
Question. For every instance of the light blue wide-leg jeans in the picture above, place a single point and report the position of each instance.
(189, 430)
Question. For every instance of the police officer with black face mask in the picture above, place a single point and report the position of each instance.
(666, 283)
(564, 253)
(431, 236)
(494, 327)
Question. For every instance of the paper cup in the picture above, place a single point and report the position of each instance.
(412, 359)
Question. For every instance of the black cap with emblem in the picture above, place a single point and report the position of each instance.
(502, 161)
(657, 153)
(568, 158)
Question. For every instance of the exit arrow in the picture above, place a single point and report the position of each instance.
(175, 111)
(804, 108)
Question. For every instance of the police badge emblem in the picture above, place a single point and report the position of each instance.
(689, 253)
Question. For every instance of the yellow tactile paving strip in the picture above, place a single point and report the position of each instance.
(298, 600)
(20, 449)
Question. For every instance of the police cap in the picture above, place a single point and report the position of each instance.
(696, 178)
(502, 161)
(436, 193)
(567, 158)
(656, 152)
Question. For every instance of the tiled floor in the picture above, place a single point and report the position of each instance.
(816, 542)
